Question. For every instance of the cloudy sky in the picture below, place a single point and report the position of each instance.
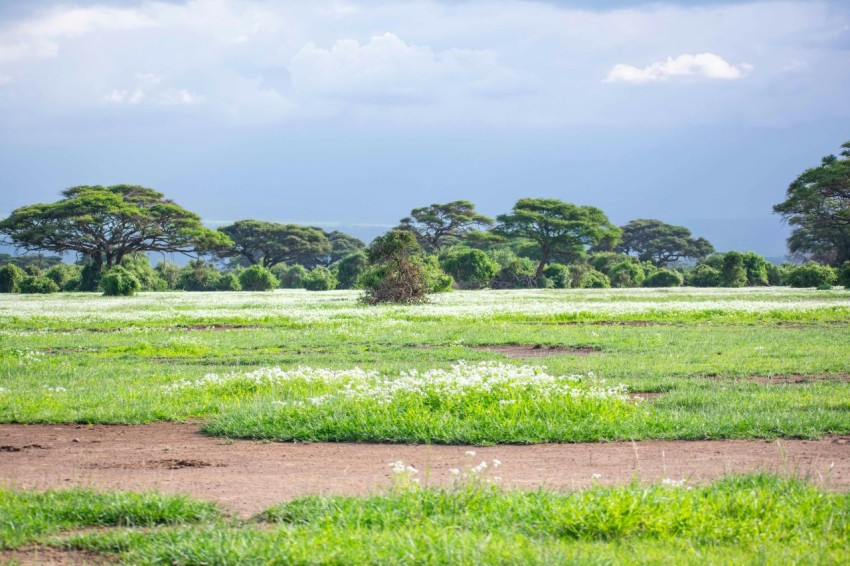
(350, 113)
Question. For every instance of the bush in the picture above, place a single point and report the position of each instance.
(320, 279)
(350, 268)
(756, 267)
(228, 282)
(777, 274)
(199, 276)
(583, 276)
(397, 274)
(843, 275)
(66, 277)
(10, 278)
(170, 273)
(558, 275)
(605, 261)
(626, 274)
(704, 276)
(471, 268)
(664, 278)
(90, 278)
(811, 274)
(258, 278)
(733, 272)
(515, 273)
(140, 267)
(37, 284)
(290, 276)
(118, 282)
(438, 281)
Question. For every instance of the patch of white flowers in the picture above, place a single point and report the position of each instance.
(460, 380)
(56, 389)
(681, 484)
(343, 306)
(28, 357)
(4, 390)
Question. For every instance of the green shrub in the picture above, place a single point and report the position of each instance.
(320, 279)
(258, 278)
(811, 274)
(37, 284)
(90, 278)
(703, 275)
(583, 276)
(515, 272)
(64, 275)
(605, 261)
(626, 274)
(350, 268)
(734, 272)
(438, 281)
(777, 275)
(558, 274)
(471, 268)
(10, 278)
(168, 272)
(843, 275)
(118, 282)
(289, 276)
(199, 276)
(140, 267)
(228, 282)
(397, 273)
(664, 278)
(756, 267)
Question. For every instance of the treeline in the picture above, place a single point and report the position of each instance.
(540, 243)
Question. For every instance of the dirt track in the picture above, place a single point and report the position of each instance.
(247, 477)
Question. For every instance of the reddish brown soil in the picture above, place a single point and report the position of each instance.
(525, 351)
(247, 477)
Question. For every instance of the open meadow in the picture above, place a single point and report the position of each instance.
(676, 374)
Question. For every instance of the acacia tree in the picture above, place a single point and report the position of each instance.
(270, 243)
(106, 224)
(341, 245)
(558, 229)
(440, 225)
(661, 243)
(817, 205)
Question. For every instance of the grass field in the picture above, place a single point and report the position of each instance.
(293, 365)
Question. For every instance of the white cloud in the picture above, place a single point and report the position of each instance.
(704, 65)
(39, 38)
(149, 87)
(5, 79)
(389, 70)
(500, 63)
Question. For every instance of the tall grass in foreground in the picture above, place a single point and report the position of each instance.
(741, 519)
(26, 515)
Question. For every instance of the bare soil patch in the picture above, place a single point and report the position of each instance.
(44, 555)
(525, 351)
(247, 477)
(215, 327)
(793, 379)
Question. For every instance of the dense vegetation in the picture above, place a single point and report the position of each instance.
(542, 242)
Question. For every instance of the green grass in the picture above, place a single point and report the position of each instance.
(753, 519)
(26, 516)
(112, 359)
(85, 358)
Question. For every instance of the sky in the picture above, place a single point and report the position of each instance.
(348, 114)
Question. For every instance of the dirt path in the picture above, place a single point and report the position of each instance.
(247, 477)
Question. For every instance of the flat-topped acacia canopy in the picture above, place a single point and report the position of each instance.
(105, 224)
